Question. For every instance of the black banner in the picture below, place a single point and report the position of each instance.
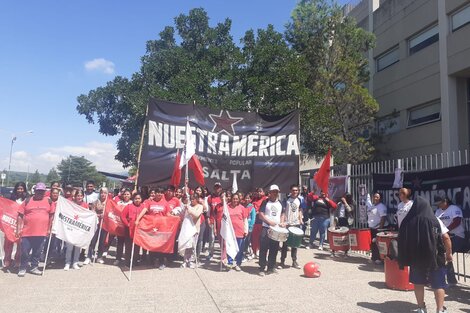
(259, 150)
(453, 182)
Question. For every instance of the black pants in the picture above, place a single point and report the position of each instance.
(120, 247)
(373, 247)
(128, 242)
(266, 244)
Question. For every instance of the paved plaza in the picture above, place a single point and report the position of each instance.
(346, 285)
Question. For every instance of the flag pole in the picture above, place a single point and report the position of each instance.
(47, 251)
(132, 259)
(140, 148)
(221, 239)
(99, 232)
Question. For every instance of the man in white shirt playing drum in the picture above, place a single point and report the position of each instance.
(376, 218)
(270, 214)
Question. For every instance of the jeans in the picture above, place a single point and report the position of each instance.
(72, 254)
(247, 242)
(91, 248)
(33, 245)
(239, 256)
(210, 238)
(266, 244)
(318, 224)
(200, 239)
(458, 244)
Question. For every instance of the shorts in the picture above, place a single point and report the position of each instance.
(436, 278)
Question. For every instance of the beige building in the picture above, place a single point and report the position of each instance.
(420, 73)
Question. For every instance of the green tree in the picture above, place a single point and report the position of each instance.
(52, 176)
(317, 66)
(335, 49)
(36, 177)
(75, 170)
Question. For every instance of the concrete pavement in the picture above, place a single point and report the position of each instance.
(346, 285)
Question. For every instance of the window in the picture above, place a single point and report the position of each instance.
(461, 18)
(387, 59)
(388, 125)
(424, 39)
(424, 114)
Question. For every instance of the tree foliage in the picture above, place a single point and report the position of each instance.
(76, 170)
(52, 176)
(36, 178)
(318, 66)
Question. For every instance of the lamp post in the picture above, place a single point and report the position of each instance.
(13, 139)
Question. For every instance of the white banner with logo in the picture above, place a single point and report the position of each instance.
(73, 223)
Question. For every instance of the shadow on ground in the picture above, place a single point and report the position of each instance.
(388, 306)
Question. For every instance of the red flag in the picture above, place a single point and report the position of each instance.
(176, 176)
(322, 177)
(196, 167)
(8, 214)
(157, 233)
(112, 222)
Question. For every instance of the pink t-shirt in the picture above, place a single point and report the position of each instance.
(36, 215)
(158, 207)
(238, 215)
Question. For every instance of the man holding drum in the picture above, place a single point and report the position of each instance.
(270, 214)
(293, 217)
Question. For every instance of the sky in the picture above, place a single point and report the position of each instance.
(53, 51)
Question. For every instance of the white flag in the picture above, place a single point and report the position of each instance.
(186, 236)
(74, 224)
(234, 183)
(227, 232)
(189, 147)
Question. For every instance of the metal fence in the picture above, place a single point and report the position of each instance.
(363, 174)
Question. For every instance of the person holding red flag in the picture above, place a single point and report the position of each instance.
(157, 207)
(320, 208)
(129, 216)
(33, 224)
(18, 195)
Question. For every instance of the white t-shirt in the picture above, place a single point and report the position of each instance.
(444, 229)
(272, 211)
(402, 211)
(448, 215)
(91, 198)
(292, 211)
(375, 213)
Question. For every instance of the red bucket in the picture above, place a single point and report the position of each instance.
(395, 278)
(384, 239)
(338, 238)
(360, 239)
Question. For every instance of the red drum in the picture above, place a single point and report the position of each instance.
(383, 242)
(360, 239)
(338, 238)
(395, 278)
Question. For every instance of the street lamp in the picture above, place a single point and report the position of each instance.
(13, 139)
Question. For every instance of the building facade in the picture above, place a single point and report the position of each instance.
(420, 73)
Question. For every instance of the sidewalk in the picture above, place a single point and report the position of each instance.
(346, 285)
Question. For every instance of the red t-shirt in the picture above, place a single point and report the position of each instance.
(36, 215)
(129, 215)
(173, 203)
(158, 208)
(214, 206)
(238, 215)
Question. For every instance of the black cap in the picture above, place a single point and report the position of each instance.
(438, 199)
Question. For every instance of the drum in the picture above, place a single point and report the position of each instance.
(278, 233)
(360, 239)
(338, 237)
(396, 278)
(295, 237)
(383, 242)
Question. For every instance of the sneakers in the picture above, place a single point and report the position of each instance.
(273, 271)
(66, 267)
(378, 262)
(261, 273)
(35, 271)
(87, 261)
(100, 260)
(308, 247)
(320, 248)
(192, 265)
(76, 266)
(105, 254)
(184, 265)
(250, 257)
(116, 263)
(237, 268)
(244, 260)
(444, 310)
(295, 265)
(162, 267)
(21, 273)
(421, 310)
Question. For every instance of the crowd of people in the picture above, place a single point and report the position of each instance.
(252, 215)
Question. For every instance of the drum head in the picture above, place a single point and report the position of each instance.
(341, 230)
(388, 234)
(279, 229)
(296, 231)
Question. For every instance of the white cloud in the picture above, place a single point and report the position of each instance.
(100, 65)
(101, 154)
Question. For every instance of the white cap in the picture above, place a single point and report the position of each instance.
(274, 187)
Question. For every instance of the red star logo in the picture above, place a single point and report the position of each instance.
(224, 122)
(75, 217)
(154, 229)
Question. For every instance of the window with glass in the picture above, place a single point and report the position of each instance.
(461, 18)
(423, 39)
(424, 114)
(387, 59)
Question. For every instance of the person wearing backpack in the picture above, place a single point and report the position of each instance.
(33, 224)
